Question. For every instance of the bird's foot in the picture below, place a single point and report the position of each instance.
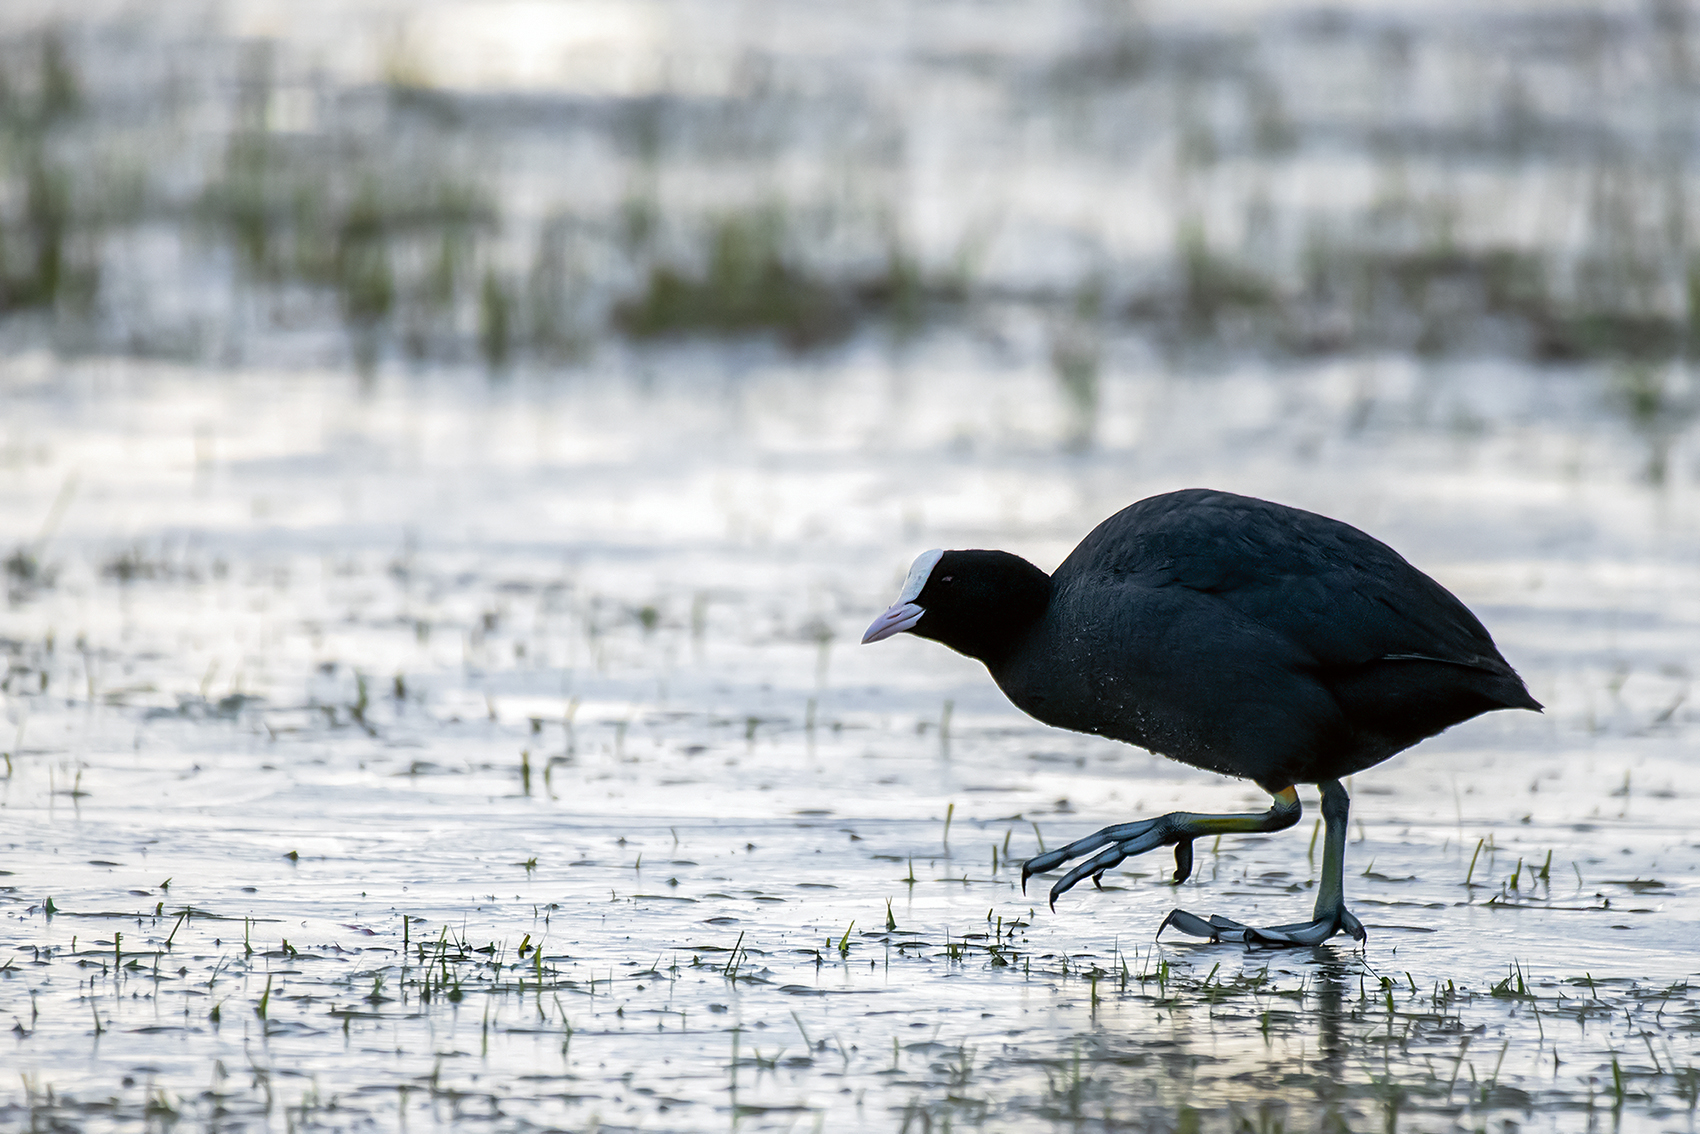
(1112, 845)
(1314, 932)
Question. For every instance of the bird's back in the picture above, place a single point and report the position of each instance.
(1221, 610)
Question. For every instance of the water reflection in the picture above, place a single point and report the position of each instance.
(1330, 977)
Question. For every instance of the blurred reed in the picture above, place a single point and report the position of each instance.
(1511, 183)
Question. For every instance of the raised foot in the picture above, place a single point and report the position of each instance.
(1112, 845)
(1219, 928)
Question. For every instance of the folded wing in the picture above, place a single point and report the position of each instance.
(1346, 599)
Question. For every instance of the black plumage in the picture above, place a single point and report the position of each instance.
(1230, 633)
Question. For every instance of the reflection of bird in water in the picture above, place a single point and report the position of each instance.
(1231, 634)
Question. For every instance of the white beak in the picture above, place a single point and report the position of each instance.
(900, 617)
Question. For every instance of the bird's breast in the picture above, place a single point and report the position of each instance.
(1073, 683)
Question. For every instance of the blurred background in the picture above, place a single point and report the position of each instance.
(532, 185)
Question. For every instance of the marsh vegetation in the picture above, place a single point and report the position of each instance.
(1511, 183)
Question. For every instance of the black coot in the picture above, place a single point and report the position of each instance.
(1231, 634)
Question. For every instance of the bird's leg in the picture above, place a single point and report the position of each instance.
(1331, 898)
(1330, 916)
(1178, 828)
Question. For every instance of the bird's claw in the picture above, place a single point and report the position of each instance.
(1107, 848)
(1183, 861)
(1190, 923)
(1218, 929)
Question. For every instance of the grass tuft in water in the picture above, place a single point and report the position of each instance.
(748, 283)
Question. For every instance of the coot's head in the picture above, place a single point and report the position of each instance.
(976, 602)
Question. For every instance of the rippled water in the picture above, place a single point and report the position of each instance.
(435, 752)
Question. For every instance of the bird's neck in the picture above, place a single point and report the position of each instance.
(1024, 597)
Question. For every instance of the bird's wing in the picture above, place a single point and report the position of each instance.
(1342, 596)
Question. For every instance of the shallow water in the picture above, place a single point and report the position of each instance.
(435, 752)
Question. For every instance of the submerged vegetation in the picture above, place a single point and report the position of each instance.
(1533, 204)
